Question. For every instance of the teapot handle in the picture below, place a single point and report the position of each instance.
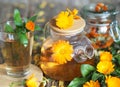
(46, 30)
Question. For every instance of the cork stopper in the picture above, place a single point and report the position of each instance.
(77, 27)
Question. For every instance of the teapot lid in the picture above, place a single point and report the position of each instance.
(77, 27)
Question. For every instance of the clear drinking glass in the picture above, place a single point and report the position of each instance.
(17, 57)
(1, 45)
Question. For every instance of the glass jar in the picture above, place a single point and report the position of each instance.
(100, 25)
(83, 51)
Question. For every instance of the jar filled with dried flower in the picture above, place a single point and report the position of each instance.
(100, 20)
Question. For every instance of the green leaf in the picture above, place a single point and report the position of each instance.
(116, 59)
(17, 18)
(95, 76)
(8, 28)
(116, 72)
(86, 69)
(33, 18)
(23, 82)
(77, 82)
(17, 84)
(23, 38)
(37, 27)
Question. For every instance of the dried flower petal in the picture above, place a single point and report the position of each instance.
(74, 12)
(100, 7)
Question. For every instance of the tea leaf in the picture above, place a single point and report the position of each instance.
(23, 38)
(17, 84)
(33, 18)
(77, 82)
(95, 76)
(37, 27)
(116, 72)
(8, 28)
(17, 18)
(86, 69)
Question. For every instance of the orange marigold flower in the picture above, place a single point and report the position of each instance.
(105, 56)
(112, 81)
(30, 25)
(62, 51)
(64, 20)
(92, 84)
(32, 81)
(105, 67)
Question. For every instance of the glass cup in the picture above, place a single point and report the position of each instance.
(17, 57)
(1, 45)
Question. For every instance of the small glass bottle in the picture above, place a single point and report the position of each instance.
(100, 24)
(83, 50)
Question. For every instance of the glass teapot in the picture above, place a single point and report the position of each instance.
(102, 27)
(83, 51)
(81, 44)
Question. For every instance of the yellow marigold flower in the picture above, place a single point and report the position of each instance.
(92, 84)
(105, 56)
(64, 20)
(74, 12)
(32, 81)
(112, 81)
(30, 25)
(62, 51)
(105, 67)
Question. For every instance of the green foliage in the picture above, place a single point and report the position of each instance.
(17, 18)
(96, 76)
(37, 28)
(23, 38)
(33, 18)
(86, 69)
(8, 28)
(20, 29)
(116, 72)
(77, 82)
(18, 84)
(90, 72)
